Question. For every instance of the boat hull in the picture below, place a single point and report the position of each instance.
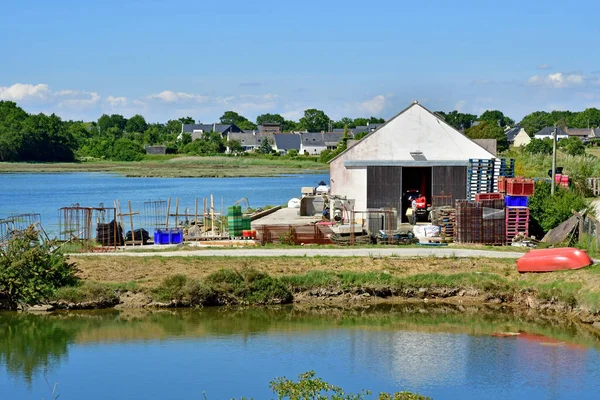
(548, 260)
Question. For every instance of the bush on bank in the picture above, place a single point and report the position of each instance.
(30, 271)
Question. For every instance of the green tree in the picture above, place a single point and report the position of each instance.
(496, 116)
(535, 122)
(289, 126)
(186, 120)
(590, 118)
(30, 271)
(458, 120)
(270, 118)
(572, 146)
(127, 150)
(488, 130)
(137, 123)
(549, 211)
(231, 117)
(539, 146)
(235, 147)
(314, 120)
(346, 121)
(265, 146)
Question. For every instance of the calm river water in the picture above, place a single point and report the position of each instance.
(440, 351)
(46, 193)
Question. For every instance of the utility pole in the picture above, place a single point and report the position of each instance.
(553, 183)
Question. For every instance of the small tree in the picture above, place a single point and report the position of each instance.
(30, 271)
(572, 146)
(539, 146)
(265, 146)
(235, 147)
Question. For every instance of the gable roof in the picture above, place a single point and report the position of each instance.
(189, 128)
(583, 132)
(332, 139)
(315, 139)
(287, 141)
(248, 138)
(512, 133)
(549, 131)
(415, 129)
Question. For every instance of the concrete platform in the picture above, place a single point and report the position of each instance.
(285, 216)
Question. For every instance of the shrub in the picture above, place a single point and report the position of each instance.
(30, 271)
(549, 211)
(171, 288)
(127, 150)
(539, 146)
(248, 286)
(292, 153)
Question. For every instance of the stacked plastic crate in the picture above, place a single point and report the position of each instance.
(235, 221)
(482, 177)
(518, 191)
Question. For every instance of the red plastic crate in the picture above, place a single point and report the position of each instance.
(488, 196)
(520, 187)
(502, 184)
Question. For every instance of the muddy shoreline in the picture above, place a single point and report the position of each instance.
(333, 297)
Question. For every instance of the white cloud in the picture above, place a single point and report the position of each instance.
(172, 97)
(77, 99)
(373, 106)
(556, 80)
(116, 101)
(20, 91)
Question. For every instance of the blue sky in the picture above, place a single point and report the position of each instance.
(168, 59)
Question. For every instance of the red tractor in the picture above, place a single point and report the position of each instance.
(421, 210)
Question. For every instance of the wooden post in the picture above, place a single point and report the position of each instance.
(168, 212)
(131, 221)
(196, 214)
(176, 212)
(212, 215)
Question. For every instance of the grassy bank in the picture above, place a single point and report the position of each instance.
(217, 281)
(181, 167)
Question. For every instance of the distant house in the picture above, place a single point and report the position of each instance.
(366, 128)
(249, 141)
(284, 142)
(196, 130)
(547, 133)
(332, 140)
(584, 134)
(155, 149)
(517, 136)
(269, 128)
(312, 143)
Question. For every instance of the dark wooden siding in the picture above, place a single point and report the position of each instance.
(450, 181)
(384, 187)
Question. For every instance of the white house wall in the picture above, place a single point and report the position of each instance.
(349, 182)
(312, 150)
(522, 139)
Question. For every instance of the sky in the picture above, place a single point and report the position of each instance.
(177, 58)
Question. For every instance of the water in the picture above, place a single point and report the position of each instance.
(440, 351)
(46, 193)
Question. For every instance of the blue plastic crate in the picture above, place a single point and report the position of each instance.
(176, 236)
(516, 201)
(161, 236)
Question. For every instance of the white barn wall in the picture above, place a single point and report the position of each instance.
(349, 182)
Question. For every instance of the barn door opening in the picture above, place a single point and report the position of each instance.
(415, 180)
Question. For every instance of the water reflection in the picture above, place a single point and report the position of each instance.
(432, 349)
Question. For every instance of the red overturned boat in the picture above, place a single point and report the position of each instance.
(548, 260)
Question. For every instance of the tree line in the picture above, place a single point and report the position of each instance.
(47, 138)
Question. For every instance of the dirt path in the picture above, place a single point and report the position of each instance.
(317, 252)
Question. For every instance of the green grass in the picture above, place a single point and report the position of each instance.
(181, 166)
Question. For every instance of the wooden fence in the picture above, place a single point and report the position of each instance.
(294, 234)
(594, 185)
